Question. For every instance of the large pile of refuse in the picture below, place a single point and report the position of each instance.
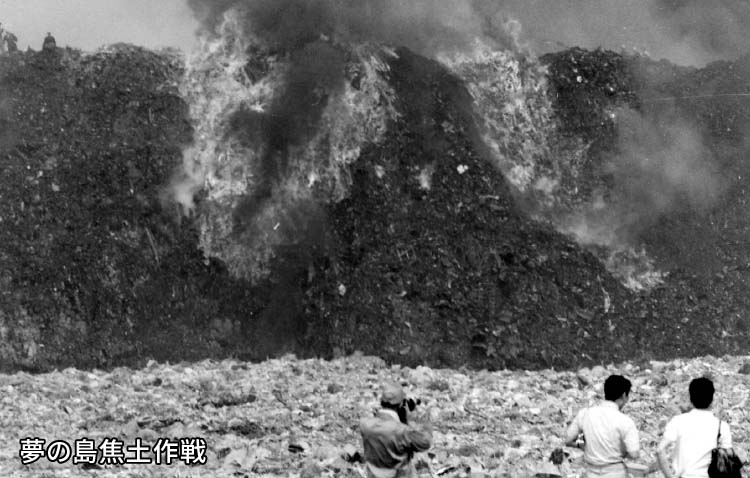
(431, 257)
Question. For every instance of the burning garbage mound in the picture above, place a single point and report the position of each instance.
(276, 132)
(648, 154)
(311, 190)
(528, 138)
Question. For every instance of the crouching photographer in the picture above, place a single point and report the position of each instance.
(389, 440)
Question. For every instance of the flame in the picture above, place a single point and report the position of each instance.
(214, 84)
(632, 266)
(511, 97)
(226, 171)
(510, 94)
(516, 113)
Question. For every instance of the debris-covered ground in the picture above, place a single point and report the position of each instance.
(289, 417)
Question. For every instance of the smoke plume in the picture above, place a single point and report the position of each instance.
(719, 28)
(659, 167)
(686, 32)
(425, 26)
(294, 71)
(311, 37)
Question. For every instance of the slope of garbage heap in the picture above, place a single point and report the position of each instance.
(103, 270)
(99, 270)
(430, 258)
(463, 253)
(291, 417)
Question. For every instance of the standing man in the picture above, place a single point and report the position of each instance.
(389, 441)
(49, 45)
(694, 435)
(608, 434)
(11, 41)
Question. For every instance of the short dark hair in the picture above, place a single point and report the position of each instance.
(615, 387)
(392, 406)
(701, 392)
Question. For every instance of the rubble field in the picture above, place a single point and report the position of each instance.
(299, 418)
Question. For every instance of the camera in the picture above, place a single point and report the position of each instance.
(408, 404)
(412, 403)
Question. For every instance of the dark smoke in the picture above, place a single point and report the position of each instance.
(688, 32)
(425, 26)
(308, 33)
(287, 24)
(316, 73)
(658, 169)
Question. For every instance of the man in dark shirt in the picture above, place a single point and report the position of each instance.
(11, 41)
(49, 44)
(389, 441)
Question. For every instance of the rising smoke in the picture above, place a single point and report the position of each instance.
(691, 32)
(311, 36)
(425, 26)
(657, 168)
(292, 118)
(719, 28)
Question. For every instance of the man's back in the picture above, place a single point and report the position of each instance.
(694, 436)
(608, 433)
(49, 43)
(389, 444)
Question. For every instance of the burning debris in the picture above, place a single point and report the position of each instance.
(541, 211)
(278, 132)
(511, 100)
(271, 142)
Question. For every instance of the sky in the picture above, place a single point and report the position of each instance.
(686, 32)
(89, 24)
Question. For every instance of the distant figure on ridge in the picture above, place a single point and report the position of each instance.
(11, 41)
(389, 441)
(49, 43)
(2, 43)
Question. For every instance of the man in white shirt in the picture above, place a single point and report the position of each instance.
(694, 435)
(609, 435)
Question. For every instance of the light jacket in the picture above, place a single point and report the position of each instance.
(389, 445)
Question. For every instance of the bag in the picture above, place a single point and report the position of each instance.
(724, 463)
